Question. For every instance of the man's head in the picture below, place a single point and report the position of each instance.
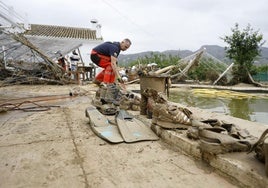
(125, 44)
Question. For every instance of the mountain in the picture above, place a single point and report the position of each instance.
(214, 50)
(264, 56)
(125, 59)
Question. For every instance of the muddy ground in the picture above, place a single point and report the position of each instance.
(55, 147)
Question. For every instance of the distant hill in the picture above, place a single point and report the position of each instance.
(124, 59)
(214, 50)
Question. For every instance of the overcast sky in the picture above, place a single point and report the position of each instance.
(152, 25)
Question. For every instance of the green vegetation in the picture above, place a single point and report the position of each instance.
(203, 72)
(244, 47)
(208, 70)
(161, 60)
(262, 68)
(262, 73)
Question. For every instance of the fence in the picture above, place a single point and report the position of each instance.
(261, 77)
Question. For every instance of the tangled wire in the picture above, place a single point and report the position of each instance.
(18, 106)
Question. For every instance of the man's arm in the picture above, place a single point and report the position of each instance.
(114, 66)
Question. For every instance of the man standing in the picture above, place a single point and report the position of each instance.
(62, 62)
(74, 60)
(105, 56)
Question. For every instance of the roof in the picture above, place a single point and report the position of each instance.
(17, 51)
(61, 32)
(49, 47)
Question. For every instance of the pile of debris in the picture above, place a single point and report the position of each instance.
(177, 73)
(23, 63)
(212, 135)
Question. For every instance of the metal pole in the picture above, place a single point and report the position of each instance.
(80, 56)
(223, 73)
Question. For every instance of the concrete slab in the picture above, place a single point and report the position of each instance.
(40, 164)
(57, 148)
(34, 127)
(240, 167)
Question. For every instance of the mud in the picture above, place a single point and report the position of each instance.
(57, 148)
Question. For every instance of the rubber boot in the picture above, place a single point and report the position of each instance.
(102, 91)
(143, 105)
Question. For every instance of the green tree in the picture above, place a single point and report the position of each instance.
(244, 47)
(162, 60)
(262, 68)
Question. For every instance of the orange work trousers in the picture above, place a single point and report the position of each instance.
(107, 74)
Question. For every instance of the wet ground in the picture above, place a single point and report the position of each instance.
(56, 148)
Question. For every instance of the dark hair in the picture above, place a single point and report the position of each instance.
(127, 40)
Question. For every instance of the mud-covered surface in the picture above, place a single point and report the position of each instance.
(57, 148)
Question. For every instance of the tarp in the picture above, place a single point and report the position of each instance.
(14, 50)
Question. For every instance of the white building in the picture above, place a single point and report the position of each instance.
(83, 39)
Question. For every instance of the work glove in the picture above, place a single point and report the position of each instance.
(120, 80)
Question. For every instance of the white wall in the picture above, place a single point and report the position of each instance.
(85, 50)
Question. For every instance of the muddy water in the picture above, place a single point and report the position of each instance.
(253, 107)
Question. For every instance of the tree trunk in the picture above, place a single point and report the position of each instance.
(254, 82)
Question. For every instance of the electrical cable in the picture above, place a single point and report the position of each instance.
(149, 34)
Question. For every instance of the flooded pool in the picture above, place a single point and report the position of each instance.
(248, 106)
